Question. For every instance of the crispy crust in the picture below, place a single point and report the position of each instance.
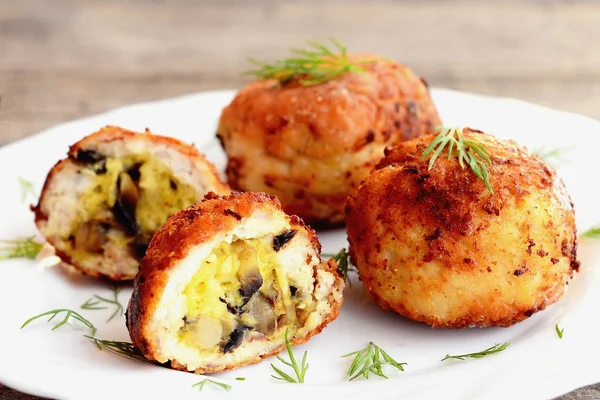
(312, 145)
(186, 230)
(447, 217)
(96, 140)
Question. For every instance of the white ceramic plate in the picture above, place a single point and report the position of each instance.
(538, 365)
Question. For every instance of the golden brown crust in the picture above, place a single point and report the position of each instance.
(311, 145)
(96, 140)
(415, 232)
(172, 243)
(112, 133)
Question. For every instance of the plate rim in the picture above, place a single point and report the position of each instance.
(187, 97)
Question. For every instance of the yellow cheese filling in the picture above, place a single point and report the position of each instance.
(227, 299)
(159, 194)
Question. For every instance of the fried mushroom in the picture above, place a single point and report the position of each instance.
(101, 205)
(312, 145)
(436, 246)
(214, 291)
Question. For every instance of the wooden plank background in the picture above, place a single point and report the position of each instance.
(65, 59)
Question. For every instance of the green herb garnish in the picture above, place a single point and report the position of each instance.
(549, 155)
(126, 349)
(240, 379)
(93, 303)
(69, 314)
(559, 331)
(491, 350)
(343, 261)
(26, 189)
(299, 370)
(370, 360)
(469, 151)
(200, 385)
(20, 248)
(592, 233)
(313, 65)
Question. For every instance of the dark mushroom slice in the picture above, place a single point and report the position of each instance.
(280, 240)
(139, 246)
(90, 236)
(89, 156)
(127, 198)
(248, 274)
(235, 339)
(95, 160)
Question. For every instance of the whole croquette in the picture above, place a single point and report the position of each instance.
(436, 246)
(311, 145)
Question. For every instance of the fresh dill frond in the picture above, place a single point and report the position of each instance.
(68, 314)
(313, 65)
(94, 303)
(491, 350)
(20, 248)
(126, 349)
(559, 331)
(468, 151)
(27, 189)
(592, 233)
(299, 370)
(200, 385)
(342, 258)
(550, 155)
(369, 361)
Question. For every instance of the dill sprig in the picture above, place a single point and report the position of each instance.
(592, 233)
(559, 331)
(68, 314)
(343, 261)
(490, 350)
(370, 360)
(469, 151)
(126, 349)
(299, 370)
(314, 65)
(20, 248)
(551, 154)
(200, 385)
(93, 303)
(26, 189)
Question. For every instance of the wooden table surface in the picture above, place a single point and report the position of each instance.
(65, 59)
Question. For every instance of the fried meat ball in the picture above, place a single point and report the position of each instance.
(101, 206)
(224, 280)
(436, 246)
(312, 145)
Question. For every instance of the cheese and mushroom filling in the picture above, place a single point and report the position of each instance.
(128, 200)
(239, 291)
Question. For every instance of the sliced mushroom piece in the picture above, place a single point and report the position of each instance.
(262, 314)
(249, 274)
(89, 156)
(206, 331)
(90, 236)
(235, 339)
(139, 247)
(127, 199)
(95, 160)
(280, 240)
